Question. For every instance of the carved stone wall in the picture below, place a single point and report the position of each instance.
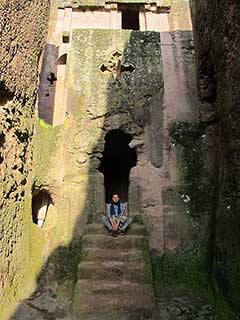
(22, 28)
(216, 28)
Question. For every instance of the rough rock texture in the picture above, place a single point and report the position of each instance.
(217, 39)
(174, 136)
(67, 157)
(170, 144)
(22, 29)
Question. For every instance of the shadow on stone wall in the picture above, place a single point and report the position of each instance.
(134, 105)
(47, 86)
(132, 98)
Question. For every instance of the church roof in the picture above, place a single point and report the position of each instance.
(103, 3)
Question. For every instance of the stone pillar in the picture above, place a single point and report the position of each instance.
(134, 205)
(60, 96)
(148, 17)
(67, 25)
(142, 21)
(115, 17)
(59, 26)
(99, 195)
(164, 24)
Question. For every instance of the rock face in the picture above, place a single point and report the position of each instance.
(94, 82)
(216, 27)
(171, 183)
(22, 27)
(70, 173)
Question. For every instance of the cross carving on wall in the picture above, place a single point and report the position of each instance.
(115, 65)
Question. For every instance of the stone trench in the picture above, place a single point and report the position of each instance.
(119, 111)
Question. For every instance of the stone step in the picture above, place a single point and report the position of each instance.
(120, 242)
(96, 254)
(115, 270)
(102, 287)
(137, 218)
(134, 229)
(104, 300)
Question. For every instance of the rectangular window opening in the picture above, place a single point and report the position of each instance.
(130, 17)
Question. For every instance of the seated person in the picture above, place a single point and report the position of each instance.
(117, 219)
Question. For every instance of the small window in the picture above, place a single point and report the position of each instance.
(66, 37)
(130, 17)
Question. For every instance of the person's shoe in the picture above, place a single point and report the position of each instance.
(122, 232)
(114, 234)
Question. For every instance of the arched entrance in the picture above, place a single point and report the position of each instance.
(40, 204)
(5, 95)
(118, 158)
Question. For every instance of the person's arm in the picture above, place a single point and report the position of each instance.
(114, 225)
(109, 215)
(117, 224)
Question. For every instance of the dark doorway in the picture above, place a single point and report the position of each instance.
(118, 158)
(130, 17)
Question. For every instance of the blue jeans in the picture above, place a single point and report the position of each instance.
(123, 226)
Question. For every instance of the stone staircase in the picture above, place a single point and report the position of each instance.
(114, 276)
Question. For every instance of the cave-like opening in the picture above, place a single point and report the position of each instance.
(40, 204)
(5, 94)
(118, 158)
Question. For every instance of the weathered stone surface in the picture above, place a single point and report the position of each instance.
(22, 28)
(47, 302)
(217, 41)
(170, 188)
(45, 305)
(25, 311)
(184, 308)
(115, 104)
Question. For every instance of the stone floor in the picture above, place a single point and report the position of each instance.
(114, 283)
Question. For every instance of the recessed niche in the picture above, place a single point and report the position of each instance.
(5, 95)
(130, 17)
(2, 139)
(40, 205)
(116, 163)
(66, 37)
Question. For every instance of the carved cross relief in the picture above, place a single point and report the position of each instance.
(115, 65)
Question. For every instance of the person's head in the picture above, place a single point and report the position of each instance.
(115, 198)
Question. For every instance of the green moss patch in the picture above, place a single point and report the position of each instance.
(184, 275)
